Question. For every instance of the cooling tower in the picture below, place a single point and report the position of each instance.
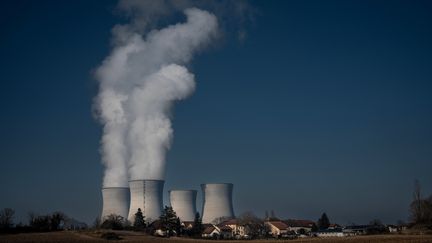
(115, 201)
(217, 201)
(147, 195)
(184, 203)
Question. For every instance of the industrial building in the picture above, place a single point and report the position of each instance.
(184, 203)
(147, 195)
(115, 201)
(217, 202)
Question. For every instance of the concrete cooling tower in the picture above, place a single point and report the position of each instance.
(115, 201)
(184, 203)
(147, 195)
(217, 201)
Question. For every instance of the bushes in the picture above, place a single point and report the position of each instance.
(114, 222)
(49, 222)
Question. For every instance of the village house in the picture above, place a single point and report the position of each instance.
(219, 231)
(277, 229)
(334, 226)
(299, 226)
(226, 232)
(157, 228)
(356, 230)
(238, 230)
(211, 231)
(392, 228)
(187, 225)
(330, 233)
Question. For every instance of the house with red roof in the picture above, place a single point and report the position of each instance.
(238, 230)
(211, 231)
(226, 232)
(219, 231)
(277, 229)
(187, 225)
(300, 226)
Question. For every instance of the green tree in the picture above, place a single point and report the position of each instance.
(169, 221)
(314, 228)
(139, 222)
(197, 227)
(323, 222)
(178, 227)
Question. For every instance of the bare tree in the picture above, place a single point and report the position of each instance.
(375, 222)
(97, 223)
(416, 204)
(428, 210)
(421, 208)
(220, 220)
(6, 218)
(113, 221)
(272, 214)
(254, 225)
(31, 218)
(400, 222)
(39, 222)
(56, 219)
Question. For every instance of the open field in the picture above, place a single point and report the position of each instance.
(82, 237)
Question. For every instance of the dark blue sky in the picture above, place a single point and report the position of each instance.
(326, 106)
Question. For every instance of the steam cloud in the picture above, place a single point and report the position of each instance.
(139, 82)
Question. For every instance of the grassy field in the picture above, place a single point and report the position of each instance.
(83, 237)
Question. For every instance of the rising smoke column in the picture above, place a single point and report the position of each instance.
(139, 82)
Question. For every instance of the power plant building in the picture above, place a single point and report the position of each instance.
(148, 196)
(217, 201)
(184, 203)
(115, 201)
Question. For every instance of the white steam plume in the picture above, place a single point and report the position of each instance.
(139, 82)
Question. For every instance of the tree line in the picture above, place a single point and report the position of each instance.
(168, 223)
(36, 223)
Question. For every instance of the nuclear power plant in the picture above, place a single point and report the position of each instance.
(217, 201)
(148, 196)
(115, 201)
(184, 203)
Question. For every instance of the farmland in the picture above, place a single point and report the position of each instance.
(89, 236)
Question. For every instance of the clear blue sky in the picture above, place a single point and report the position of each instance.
(325, 107)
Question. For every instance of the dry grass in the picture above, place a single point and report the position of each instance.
(83, 237)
